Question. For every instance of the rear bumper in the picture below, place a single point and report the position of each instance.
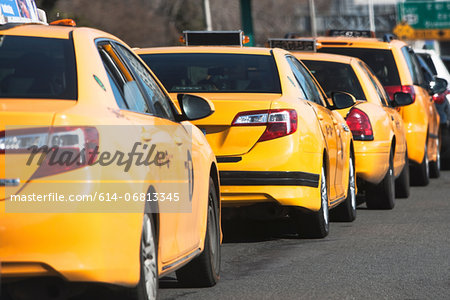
(245, 178)
(88, 247)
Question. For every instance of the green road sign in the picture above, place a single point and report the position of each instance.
(425, 14)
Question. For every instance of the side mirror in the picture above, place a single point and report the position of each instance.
(342, 100)
(402, 99)
(438, 85)
(194, 107)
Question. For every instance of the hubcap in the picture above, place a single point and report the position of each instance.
(427, 163)
(352, 185)
(324, 195)
(149, 258)
(438, 156)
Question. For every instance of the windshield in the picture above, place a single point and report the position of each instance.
(35, 67)
(334, 77)
(211, 72)
(380, 61)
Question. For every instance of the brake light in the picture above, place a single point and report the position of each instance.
(440, 98)
(55, 150)
(359, 124)
(392, 89)
(278, 122)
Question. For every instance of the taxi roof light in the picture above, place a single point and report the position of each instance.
(350, 33)
(294, 44)
(214, 38)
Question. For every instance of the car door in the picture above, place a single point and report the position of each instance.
(170, 184)
(327, 122)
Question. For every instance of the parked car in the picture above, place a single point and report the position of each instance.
(435, 67)
(378, 131)
(281, 146)
(396, 66)
(84, 92)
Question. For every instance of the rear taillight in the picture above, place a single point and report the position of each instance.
(392, 89)
(440, 98)
(54, 150)
(359, 124)
(278, 122)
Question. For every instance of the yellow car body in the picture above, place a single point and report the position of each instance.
(98, 241)
(283, 171)
(394, 63)
(372, 153)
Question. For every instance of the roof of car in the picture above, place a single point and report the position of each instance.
(206, 49)
(324, 57)
(358, 42)
(48, 31)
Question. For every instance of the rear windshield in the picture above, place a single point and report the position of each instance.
(380, 61)
(35, 67)
(334, 76)
(211, 72)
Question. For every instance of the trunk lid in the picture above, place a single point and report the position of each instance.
(227, 140)
(22, 114)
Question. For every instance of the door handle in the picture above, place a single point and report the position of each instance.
(335, 122)
(320, 116)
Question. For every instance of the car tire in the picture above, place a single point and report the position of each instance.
(420, 174)
(382, 195)
(204, 270)
(435, 166)
(315, 224)
(402, 183)
(147, 288)
(346, 211)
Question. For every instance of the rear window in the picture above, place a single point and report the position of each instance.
(211, 72)
(380, 61)
(35, 67)
(334, 76)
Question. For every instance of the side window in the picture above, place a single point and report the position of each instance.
(413, 66)
(420, 76)
(126, 90)
(305, 80)
(380, 90)
(158, 100)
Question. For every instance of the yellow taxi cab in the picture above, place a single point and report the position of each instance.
(279, 147)
(377, 127)
(396, 66)
(124, 190)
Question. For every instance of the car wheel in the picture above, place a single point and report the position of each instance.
(346, 211)
(402, 182)
(147, 288)
(420, 175)
(315, 224)
(435, 166)
(382, 195)
(204, 270)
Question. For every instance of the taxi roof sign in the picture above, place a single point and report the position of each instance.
(350, 33)
(21, 11)
(308, 45)
(214, 38)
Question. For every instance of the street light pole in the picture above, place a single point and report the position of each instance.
(207, 10)
(312, 16)
(371, 16)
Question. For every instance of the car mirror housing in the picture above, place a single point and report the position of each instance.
(438, 85)
(342, 100)
(402, 99)
(194, 107)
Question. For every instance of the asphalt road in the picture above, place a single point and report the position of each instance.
(403, 253)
